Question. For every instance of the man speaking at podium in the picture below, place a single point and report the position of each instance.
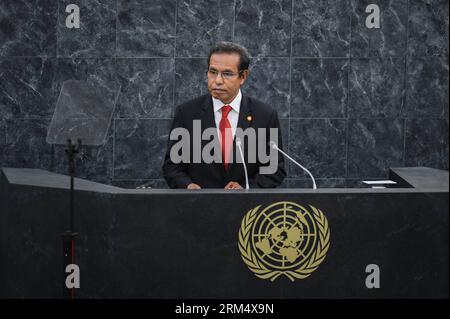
(226, 110)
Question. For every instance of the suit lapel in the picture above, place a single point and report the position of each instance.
(207, 115)
(208, 121)
(244, 122)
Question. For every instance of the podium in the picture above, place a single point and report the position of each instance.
(154, 243)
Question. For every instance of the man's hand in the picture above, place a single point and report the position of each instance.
(233, 185)
(193, 186)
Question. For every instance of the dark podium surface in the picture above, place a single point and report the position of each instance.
(154, 243)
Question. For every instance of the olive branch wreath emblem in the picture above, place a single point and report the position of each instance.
(306, 269)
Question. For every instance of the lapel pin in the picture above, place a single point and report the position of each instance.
(249, 118)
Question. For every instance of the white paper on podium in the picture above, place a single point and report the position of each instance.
(380, 182)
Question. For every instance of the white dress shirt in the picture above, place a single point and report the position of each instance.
(233, 116)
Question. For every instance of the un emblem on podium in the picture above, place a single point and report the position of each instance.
(284, 238)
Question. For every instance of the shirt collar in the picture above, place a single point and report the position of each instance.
(235, 104)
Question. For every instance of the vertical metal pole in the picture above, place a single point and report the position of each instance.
(68, 237)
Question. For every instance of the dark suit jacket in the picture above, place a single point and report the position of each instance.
(214, 175)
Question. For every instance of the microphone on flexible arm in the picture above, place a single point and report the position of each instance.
(238, 144)
(275, 147)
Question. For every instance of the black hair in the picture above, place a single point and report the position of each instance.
(230, 47)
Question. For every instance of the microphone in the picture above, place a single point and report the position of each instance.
(238, 144)
(275, 147)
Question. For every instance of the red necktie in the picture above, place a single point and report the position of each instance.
(226, 136)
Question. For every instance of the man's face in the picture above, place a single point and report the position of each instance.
(225, 87)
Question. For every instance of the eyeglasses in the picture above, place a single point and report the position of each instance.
(225, 75)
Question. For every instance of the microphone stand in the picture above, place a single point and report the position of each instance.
(238, 143)
(68, 237)
(274, 146)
